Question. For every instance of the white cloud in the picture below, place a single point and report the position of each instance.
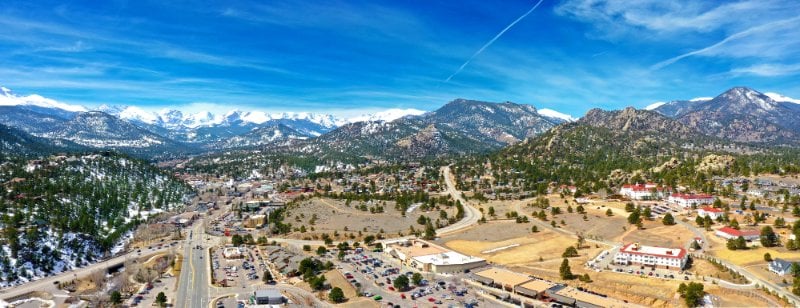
(768, 70)
(654, 105)
(781, 98)
(755, 44)
(617, 16)
(555, 114)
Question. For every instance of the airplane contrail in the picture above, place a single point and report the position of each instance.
(492, 40)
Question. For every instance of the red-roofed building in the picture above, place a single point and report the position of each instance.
(686, 200)
(731, 233)
(648, 191)
(714, 213)
(671, 258)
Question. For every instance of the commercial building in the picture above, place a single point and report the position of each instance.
(576, 298)
(268, 297)
(501, 278)
(232, 253)
(535, 288)
(671, 258)
(429, 257)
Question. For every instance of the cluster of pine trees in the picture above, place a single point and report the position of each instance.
(59, 211)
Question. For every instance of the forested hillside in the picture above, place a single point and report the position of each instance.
(66, 211)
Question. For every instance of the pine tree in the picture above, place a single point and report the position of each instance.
(564, 271)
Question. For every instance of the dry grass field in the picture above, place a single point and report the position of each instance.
(335, 215)
(336, 279)
(523, 250)
(657, 234)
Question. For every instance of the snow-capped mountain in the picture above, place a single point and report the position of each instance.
(8, 98)
(740, 114)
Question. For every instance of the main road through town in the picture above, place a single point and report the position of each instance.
(193, 284)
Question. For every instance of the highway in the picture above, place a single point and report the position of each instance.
(193, 283)
(48, 283)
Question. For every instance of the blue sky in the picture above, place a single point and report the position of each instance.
(351, 57)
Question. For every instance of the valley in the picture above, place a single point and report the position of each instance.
(218, 226)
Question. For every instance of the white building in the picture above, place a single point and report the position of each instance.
(428, 257)
(780, 267)
(648, 191)
(714, 213)
(686, 200)
(731, 233)
(671, 258)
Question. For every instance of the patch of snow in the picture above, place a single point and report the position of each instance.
(388, 115)
(139, 114)
(555, 114)
(701, 99)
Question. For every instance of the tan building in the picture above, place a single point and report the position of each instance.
(255, 221)
(501, 278)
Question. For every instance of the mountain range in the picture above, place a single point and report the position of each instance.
(459, 127)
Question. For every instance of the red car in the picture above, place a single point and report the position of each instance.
(431, 299)
(391, 288)
(402, 296)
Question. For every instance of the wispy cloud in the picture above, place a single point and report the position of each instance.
(768, 70)
(490, 42)
(715, 48)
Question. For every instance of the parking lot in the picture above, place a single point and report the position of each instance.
(373, 273)
(605, 261)
(146, 295)
(242, 270)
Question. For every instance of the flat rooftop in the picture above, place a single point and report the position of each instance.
(654, 251)
(591, 298)
(504, 276)
(447, 258)
(537, 285)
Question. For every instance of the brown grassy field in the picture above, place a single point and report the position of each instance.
(336, 279)
(523, 250)
(334, 215)
(657, 234)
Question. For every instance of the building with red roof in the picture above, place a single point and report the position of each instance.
(687, 200)
(647, 191)
(670, 258)
(712, 212)
(731, 233)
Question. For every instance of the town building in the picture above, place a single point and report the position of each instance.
(429, 257)
(671, 258)
(731, 233)
(713, 213)
(687, 200)
(648, 191)
(268, 297)
(501, 278)
(232, 253)
(780, 267)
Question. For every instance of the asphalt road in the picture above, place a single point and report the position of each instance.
(193, 283)
(48, 283)
(471, 214)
